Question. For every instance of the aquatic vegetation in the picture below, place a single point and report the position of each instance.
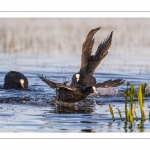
(112, 113)
(140, 94)
(130, 104)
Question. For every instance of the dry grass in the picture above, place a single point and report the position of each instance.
(63, 35)
(62, 39)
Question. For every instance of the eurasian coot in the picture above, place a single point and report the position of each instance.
(73, 94)
(90, 62)
(15, 80)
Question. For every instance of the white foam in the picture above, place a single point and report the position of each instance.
(108, 92)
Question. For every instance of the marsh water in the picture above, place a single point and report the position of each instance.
(30, 111)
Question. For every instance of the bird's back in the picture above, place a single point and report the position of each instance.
(70, 96)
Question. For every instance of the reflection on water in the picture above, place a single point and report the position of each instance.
(54, 50)
(73, 109)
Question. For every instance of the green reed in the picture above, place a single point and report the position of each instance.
(141, 94)
(112, 113)
(130, 105)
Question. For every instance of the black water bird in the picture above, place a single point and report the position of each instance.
(90, 62)
(71, 94)
(15, 80)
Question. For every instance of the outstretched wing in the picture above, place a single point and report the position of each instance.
(55, 85)
(87, 49)
(101, 52)
(109, 83)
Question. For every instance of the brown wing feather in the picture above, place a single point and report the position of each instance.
(55, 85)
(87, 49)
(48, 82)
(109, 83)
(101, 52)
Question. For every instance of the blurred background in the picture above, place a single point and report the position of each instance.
(28, 44)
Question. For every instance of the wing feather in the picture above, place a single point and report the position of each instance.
(101, 53)
(109, 83)
(55, 85)
(87, 49)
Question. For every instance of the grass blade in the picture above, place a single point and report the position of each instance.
(140, 100)
(120, 114)
(112, 113)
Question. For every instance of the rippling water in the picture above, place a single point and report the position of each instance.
(29, 111)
